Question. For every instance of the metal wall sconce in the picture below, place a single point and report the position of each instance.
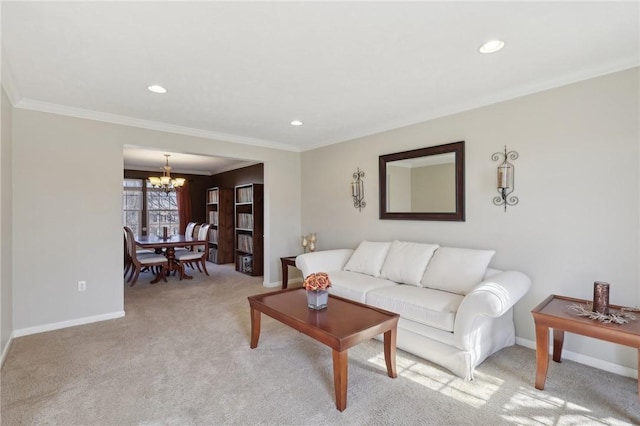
(505, 178)
(357, 190)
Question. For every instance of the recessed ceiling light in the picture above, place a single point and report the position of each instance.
(491, 46)
(296, 123)
(157, 89)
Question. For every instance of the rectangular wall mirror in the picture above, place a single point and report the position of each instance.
(423, 184)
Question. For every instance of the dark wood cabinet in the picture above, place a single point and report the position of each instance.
(219, 213)
(249, 231)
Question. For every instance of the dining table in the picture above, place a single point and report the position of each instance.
(169, 245)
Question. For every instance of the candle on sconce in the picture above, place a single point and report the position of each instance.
(601, 297)
(354, 189)
(503, 180)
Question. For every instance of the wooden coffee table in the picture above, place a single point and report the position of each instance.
(553, 313)
(340, 326)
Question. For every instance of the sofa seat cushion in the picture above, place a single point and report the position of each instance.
(426, 306)
(355, 286)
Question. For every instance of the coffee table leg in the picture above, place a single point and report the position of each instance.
(390, 352)
(542, 355)
(558, 341)
(340, 374)
(255, 327)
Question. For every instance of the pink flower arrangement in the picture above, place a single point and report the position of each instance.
(317, 281)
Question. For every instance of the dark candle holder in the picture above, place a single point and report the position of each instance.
(601, 297)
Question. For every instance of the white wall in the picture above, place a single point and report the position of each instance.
(6, 296)
(67, 211)
(577, 177)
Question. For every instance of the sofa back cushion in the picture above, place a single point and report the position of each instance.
(406, 262)
(368, 258)
(456, 270)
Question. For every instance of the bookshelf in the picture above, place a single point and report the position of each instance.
(249, 256)
(219, 213)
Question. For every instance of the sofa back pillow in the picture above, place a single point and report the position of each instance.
(456, 270)
(368, 258)
(406, 262)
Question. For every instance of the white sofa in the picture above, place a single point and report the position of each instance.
(454, 310)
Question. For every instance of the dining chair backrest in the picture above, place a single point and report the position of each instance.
(131, 243)
(126, 246)
(189, 229)
(203, 234)
(196, 229)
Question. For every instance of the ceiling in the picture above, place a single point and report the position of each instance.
(152, 160)
(242, 71)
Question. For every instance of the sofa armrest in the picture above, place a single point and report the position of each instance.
(323, 261)
(491, 298)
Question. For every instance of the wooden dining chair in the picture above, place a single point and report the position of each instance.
(188, 232)
(194, 233)
(140, 261)
(128, 265)
(127, 256)
(198, 257)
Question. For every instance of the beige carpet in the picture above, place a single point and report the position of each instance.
(181, 357)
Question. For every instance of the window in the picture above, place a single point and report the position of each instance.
(132, 205)
(162, 210)
(146, 210)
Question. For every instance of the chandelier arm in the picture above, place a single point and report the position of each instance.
(166, 183)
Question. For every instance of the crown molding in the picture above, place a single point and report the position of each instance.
(178, 170)
(158, 172)
(33, 105)
(8, 83)
(576, 77)
(235, 167)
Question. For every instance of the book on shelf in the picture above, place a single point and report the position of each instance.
(213, 255)
(245, 220)
(245, 243)
(213, 236)
(212, 197)
(244, 194)
(213, 218)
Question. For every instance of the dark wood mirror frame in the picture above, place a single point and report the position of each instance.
(458, 215)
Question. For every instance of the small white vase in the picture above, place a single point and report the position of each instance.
(317, 299)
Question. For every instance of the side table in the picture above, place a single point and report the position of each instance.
(286, 262)
(553, 313)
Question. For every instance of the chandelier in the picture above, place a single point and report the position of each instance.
(165, 182)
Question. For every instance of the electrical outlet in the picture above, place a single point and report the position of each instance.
(82, 285)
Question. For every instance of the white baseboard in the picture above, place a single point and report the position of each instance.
(584, 359)
(65, 324)
(5, 350)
